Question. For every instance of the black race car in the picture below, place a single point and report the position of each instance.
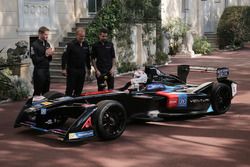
(150, 96)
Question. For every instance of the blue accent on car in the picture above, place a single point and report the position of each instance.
(155, 86)
(37, 106)
(40, 129)
(172, 88)
(182, 100)
(85, 134)
(210, 109)
(162, 87)
(64, 98)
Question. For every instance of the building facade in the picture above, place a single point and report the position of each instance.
(201, 15)
(20, 19)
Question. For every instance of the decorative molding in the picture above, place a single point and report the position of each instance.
(34, 14)
(37, 9)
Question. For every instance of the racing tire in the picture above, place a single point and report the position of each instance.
(110, 119)
(51, 95)
(221, 98)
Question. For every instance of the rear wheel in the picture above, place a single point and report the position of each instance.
(221, 98)
(110, 119)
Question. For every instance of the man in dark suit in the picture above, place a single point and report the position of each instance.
(103, 58)
(41, 55)
(75, 60)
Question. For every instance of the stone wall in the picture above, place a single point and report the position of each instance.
(8, 23)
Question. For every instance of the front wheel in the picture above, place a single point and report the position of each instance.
(110, 119)
(221, 98)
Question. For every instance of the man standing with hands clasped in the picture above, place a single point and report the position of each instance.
(74, 62)
(103, 58)
(41, 55)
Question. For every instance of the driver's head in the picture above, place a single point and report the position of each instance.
(139, 77)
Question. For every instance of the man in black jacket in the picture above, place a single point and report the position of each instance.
(103, 58)
(74, 62)
(41, 55)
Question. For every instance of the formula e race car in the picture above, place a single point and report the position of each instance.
(150, 96)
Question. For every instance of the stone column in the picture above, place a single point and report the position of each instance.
(141, 56)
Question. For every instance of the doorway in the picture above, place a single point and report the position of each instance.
(212, 12)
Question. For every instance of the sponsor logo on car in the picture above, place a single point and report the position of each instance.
(80, 135)
(46, 103)
(182, 100)
(43, 111)
(199, 100)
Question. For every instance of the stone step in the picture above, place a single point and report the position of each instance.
(62, 44)
(86, 20)
(56, 60)
(58, 79)
(62, 79)
(55, 66)
(71, 34)
(59, 49)
(210, 34)
(68, 39)
(57, 55)
(55, 72)
(212, 39)
(58, 52)
(82, 24)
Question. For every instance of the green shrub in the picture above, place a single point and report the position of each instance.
(126, 66)
(5, 85)
(11, 86)
(20, 89)
(161, 58)
(118, 16)
(234, 27)
(202, 46)
(108, 17)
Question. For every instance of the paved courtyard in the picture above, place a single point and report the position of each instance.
(219, 140)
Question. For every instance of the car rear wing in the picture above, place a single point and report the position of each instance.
(183, 70)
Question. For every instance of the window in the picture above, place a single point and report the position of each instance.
(185, 6)
(226, 3)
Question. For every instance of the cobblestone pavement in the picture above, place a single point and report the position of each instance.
(219, 140)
